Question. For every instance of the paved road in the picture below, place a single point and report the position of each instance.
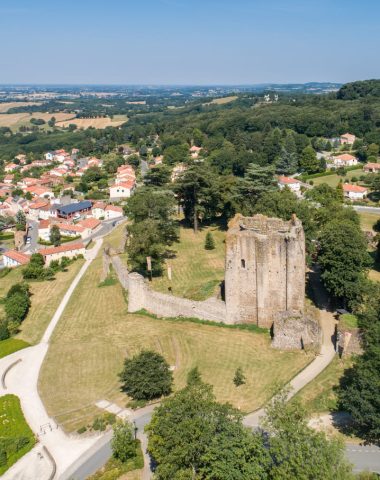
(364, 457)
(359, 208)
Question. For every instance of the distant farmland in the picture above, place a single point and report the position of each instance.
(4, 107)
(100, 123)
(223, 100)
(16, 120)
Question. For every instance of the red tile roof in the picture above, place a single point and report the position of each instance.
(114, 208)
(347, 187)
(370, 165)
(91, 223)
(17, 256)
(61, 249)
(345, 157)
(288, 180)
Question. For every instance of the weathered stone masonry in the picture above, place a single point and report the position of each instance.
(265, 269)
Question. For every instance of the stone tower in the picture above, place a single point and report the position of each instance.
(265, 269)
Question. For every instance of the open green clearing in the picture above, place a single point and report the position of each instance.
(95, 334)
(196, 272)
(319, 395)
(333, 180)
(16, 437)
(367, 220)
(11, 345)
(45, 299)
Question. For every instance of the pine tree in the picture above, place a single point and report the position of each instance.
(286, 163)
(209, 242)
(239, 378)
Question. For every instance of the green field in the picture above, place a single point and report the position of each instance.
(333, 180)
(367, 220)
(319, 395)
(95, 334)
(45, 299)
(11, 345)
(196, 272)
(13, 429)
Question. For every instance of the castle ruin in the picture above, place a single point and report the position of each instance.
(265, 269)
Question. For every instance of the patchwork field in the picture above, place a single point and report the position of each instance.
(5, 106)
(223, 100)
(333, 180)
(14, 430)
(16, 120)
(196, 272)
(45, 299)
(96, 333)
(100, 123)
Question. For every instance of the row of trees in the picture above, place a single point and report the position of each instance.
(16, 306)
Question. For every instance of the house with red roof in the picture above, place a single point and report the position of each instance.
(369, 168)
(347, 139)
(112, 211)
(354, 192)
(345, 160)
(292, 183)
(98, 210)
(70, 250)
(13, 258)
(41, 192)
(8, 179)
(122, 190)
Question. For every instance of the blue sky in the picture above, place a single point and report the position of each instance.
(188, 41)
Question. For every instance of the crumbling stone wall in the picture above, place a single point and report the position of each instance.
(349, 341)
(265, 269)
(292, 331)
(141, 296)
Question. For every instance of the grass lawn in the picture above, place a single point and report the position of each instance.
(319, 396)
(11, 345)
(95, 334)
(333, 180)
(115, 469)
(12, 427)
(196, 272)
(45, 299)
(367, 220)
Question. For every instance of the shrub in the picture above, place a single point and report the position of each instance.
(4, 331)
(239, 378)
(209, 242)
(146, 376)
(82, 430)
(123, 442)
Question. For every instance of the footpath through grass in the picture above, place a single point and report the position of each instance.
(196, 272)
(96, 334)
(16, 437)
(11, 345)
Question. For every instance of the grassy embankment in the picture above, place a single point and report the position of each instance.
(333, 180)
(16, 434)
(96, 333)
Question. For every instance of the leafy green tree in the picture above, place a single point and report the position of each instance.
(194, 377)
(239, 377)
(186, 433)
(209, 241)
(298, 451)
(145, 240)
(309, 161)
(344, 260)
(123, 441)
(35, 268)
(257, 181)
(324, 194)
(4, 330)
(157, 176)
(146, 376)
(20, 221)
(176, 154)
(55, 235)
(286, 163)
(199, 194)
(16, 305)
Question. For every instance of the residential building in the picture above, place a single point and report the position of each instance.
(347, 139)
(8, 179)
(41, 192)
(44, 230)
(292, 183)
(98, 210)
(345, 160)
(56, 253)
(122, 190)
(354, 192)
(372, 168)
(13, 259)
(111, 211)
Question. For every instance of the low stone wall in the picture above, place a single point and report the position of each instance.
(292, 331)
(141, 296)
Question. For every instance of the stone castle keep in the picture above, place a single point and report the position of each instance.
(265, 269)
(264, 283)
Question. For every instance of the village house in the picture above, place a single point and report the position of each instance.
(37, 191)
(10, 167)
(27, 182)
(177, 171)
(58, 172)
(91, 225)
(12, 259)
(98, 210)
(21, 157)
(122, 190)
(347, 139)
(354, 192)
(292, 183)
(345, 160)
(372, 168)
(125, 173)
(72, 230)
(56, 253)
(44, 230)
(95, 162)
(5, 191)
(112, 211)
(195, 151)
(74, 210)
(35, 207)
(8, 179)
